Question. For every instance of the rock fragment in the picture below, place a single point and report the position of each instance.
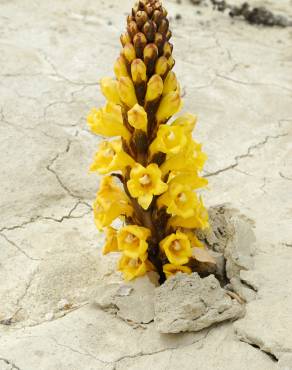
(190, 303)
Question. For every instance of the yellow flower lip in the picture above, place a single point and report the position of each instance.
(170, 269)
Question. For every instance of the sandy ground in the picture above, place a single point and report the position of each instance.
(238, 79)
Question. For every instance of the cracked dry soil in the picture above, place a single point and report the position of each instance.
(237, 78)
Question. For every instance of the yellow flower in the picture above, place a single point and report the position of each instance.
(109, 88)
(169, 105)
(180, 200)
(127, 91)
(169, 140)
(132, 240)
(111, 202)
(111, 157)
(145, 182)
(137, 118)
(161, 66)
(108, 121)
(170, 269)
(129, 52)
(177, 248)
(198, 221)
(187, 121)
(189, 160)
(111, 243)
(134, 267)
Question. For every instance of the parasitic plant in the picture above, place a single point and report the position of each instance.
(151, 165)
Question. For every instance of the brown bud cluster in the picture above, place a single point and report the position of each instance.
(146, 48)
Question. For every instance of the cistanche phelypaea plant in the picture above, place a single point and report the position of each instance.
(151, 165)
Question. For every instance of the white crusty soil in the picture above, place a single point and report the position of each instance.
(238, 79)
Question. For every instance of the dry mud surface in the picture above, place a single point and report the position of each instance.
(238, 79)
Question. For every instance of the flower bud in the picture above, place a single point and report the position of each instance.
(109, 88)
(168, 35)
(140, 42)
(161, 66)
(137, 118)
(132, 29)
(127, 91)
(149, 30)
(171, 62)
(164, 12)
(159, 42)
(129, 52)
(125, 38)
(149, 10)
(167, 49)
(150, 56)
(170, 83)
(169, 105)
(163, 27)
(130, 19)
(154, 88)
(138, 71)
(157, 17)
(141, 18)
(120, 68)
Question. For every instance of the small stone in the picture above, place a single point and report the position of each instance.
(49, 316)
(63, 304)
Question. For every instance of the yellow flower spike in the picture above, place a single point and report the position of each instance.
(177, 248)
(170, 270)
(138, 71)
(169, 105)
(170, 83)
(145, 182)
(127, 91)
(180, 200)
(161, 66)
(157, 161)
(111, 202)
(133, 267)
(137, 118)
(108, 121)
(129, 52)
(169, 140)
(199, 221)
(154, 88)
(111, 157)
(109, 88)
(132, 240)
(187, 120)
(120, 68)
(111, 243)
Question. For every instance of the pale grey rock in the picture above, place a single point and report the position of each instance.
(132, 301)
(189, 303)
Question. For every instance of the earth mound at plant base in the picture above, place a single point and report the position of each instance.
(191, 302)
